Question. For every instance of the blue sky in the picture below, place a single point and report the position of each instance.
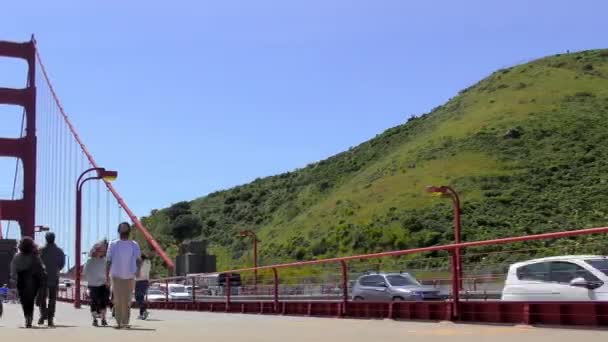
(191, 97)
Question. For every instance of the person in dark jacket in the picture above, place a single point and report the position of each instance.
(27, 270)
(54, 260)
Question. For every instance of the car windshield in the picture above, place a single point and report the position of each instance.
(599, 264)
(402, 280)
(177, 289)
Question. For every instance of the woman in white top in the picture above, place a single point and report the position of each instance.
(142, 282)
(95, 276)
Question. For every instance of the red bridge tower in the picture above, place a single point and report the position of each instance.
(22, 210)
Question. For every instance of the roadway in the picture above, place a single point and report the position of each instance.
(75, 325)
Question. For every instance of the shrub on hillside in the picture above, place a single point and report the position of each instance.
(584, 94)
(519, 86)
(186, 227)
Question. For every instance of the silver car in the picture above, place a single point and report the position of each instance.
(383, 287)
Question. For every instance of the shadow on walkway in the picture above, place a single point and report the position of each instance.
(132, 328)
(44, 327)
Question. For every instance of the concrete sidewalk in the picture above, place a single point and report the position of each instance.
(176, 326)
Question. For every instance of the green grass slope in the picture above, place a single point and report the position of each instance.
(526, 147)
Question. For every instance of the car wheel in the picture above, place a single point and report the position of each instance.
(398, 299)
(358, 299)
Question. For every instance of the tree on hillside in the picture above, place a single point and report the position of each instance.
(178, 209)
(186, 227)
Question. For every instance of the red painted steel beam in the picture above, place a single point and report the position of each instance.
(12, 147)
(12, 210)
(12, 96)
(149, 238)
(545, 236)
(15, 50)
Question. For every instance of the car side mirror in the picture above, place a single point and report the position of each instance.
(578, 282)
(381, 284)
(581, 282)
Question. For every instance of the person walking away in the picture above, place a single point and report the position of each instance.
(54, 260)
(27, 270)
(96, 278)
(3, 297)
(4, 293)
(142, 283)
(124, 262)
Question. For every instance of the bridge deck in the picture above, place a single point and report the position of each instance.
(74, 325)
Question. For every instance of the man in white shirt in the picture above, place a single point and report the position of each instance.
(141, 286)
(124, 264)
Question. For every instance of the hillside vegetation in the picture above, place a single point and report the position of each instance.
(526, 147)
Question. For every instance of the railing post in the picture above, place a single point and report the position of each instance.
(166, 291)
(228, 291)
(193, 289)
(344, 286)
(455, 286)
(276, 289)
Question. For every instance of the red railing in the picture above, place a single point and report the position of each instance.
(272, 295)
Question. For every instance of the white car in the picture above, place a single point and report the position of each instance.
(65, 284)
(177, 292)
(563, 278)
(155, 295)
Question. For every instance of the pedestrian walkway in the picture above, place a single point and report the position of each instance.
(174, 326)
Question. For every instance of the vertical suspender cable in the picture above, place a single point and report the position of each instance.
(8, 226)
(97, 211)
(90, 228)
(150, 239)
(73, 168)
(53, 165)
(84, 231)
(60, 167)
(108, 214)
(43, 180)
(66, 184)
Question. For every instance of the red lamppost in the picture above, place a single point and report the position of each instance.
(101, 174)
(254, 239)
(456, 261)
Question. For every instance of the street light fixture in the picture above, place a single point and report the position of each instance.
(456, 260)
(254, 239)
(40, 229)
(101, 173)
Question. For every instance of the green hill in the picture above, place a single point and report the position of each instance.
(526, 147)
